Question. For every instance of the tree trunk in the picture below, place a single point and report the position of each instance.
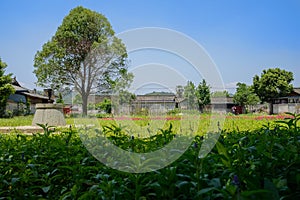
(84, 104)
(200, 107)
(271, 108)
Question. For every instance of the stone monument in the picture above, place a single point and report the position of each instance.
(49, 113)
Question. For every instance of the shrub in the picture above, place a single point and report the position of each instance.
(103, 115)
(174, 111)
(22, 109)
(105, 106)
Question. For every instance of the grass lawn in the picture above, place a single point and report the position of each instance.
(23, 121)
(17, 121)
(231, 123)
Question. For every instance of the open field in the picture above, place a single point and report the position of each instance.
(231, 123)
(254, 158)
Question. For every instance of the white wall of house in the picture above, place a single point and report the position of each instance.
(290, 107)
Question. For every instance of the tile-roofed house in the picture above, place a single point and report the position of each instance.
(156, 103)
(162, 102)
(22, 96)
(289, 103)
(222, 104)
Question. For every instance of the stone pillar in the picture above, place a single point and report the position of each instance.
(51, 114)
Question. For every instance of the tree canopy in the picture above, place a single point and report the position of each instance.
(84, 53)
(5, 87)
(189, 94)
(203, 95)
(272, 83)
(197, 97)
(179, 91)
(220, 94)
(245, 95)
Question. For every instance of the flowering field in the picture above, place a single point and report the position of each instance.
(254, 158)
(230, 122)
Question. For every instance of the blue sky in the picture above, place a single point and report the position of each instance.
(242, 37)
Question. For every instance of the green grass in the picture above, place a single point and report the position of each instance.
(232, 123)
(17, 121)
(24, 121)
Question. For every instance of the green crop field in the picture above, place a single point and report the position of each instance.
(255, 157)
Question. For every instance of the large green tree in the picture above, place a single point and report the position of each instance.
(189, 95)
(203, 95)
(84, 53)
(245, 96)
(5, 87)
(272, 83)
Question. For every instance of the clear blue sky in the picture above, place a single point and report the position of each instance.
(242, 37)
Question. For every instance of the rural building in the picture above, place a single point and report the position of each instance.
(289, 103)
(23, 96)
(223, 104)
(159, 102)
(97, 98)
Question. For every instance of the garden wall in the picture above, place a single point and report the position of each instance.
(290, 107)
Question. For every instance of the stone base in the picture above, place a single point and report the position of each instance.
(51, 114)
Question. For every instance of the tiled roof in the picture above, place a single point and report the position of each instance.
(171, 98)
(297, 90)
(155, 98)
(35, 95)
(20, 89)
(222, 100)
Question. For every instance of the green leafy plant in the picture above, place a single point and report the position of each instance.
(47, 129)
(261, 163)
(291, 121)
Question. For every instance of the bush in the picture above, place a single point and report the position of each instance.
(91, 106)
(105, 106)
(22, 109)
(174, 111)
(8, 114)
(74, 115)
(103, 115)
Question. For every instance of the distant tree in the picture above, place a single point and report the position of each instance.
(220, 94)
(179, 91)
(105, 105)
(60, 99)
(203, 95)
(6, 88)
(77, 99)
(245, 96)
(189, 94)
(271, 84)
(126, 97)
(67, 95)
(85, 53)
